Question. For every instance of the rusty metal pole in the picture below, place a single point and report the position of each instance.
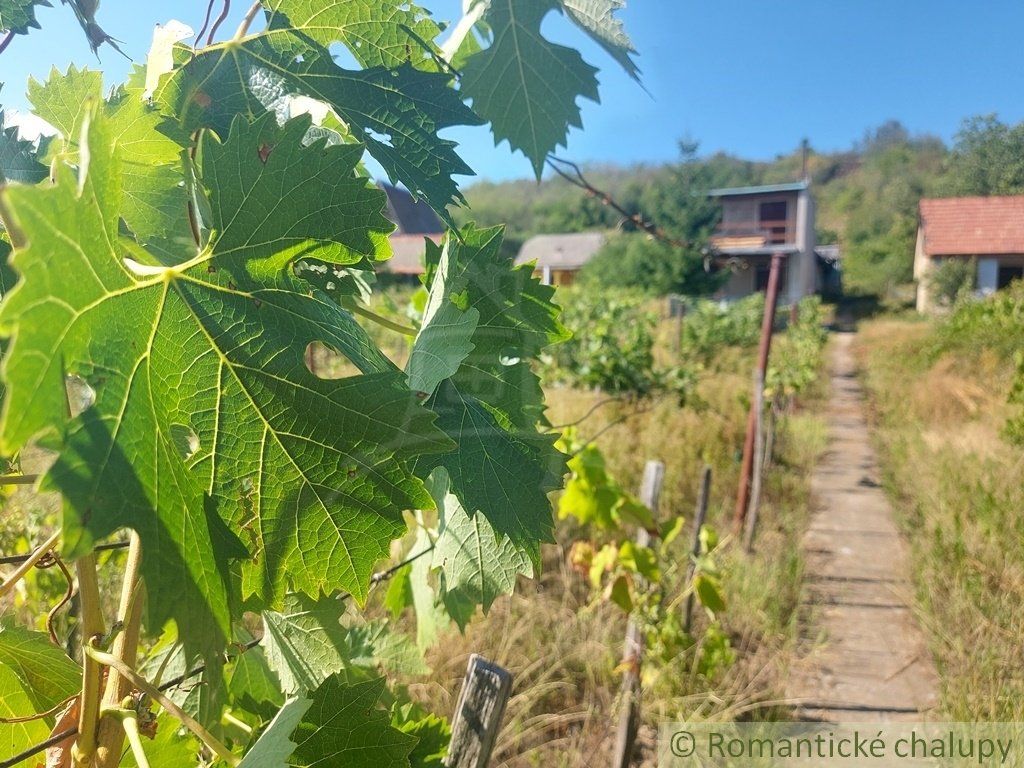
(767, 323)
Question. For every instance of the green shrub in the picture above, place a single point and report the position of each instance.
(953, 280)
(612, 346)
(709, 327)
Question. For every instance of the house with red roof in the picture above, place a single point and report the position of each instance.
(986, 230)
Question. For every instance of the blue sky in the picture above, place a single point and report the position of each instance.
(746, 76)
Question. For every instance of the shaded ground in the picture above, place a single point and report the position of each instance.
(865, 655)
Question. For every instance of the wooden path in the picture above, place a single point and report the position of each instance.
(866, 658)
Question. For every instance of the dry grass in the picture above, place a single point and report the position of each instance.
(564, 652)
(960, 499)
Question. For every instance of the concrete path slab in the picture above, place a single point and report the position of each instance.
(865, 655)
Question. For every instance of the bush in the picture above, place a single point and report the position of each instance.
(709, 327)
(952, 280)
(612, 346)
(635, 261)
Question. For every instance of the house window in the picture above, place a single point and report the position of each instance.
(773, 217)
(1008, 274)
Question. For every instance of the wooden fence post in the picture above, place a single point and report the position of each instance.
(485, 692)
(759, 464)
(629, 715)
(699, 516)
(767, 326)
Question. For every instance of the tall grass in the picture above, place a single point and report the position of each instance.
(941, 403)
(565, 652)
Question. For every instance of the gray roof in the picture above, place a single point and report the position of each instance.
(412, 217)
(569, 251)
(764, 189)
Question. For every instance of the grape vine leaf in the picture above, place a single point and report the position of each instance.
(44, 671)
(18, 160)
(19, 16)
(525, 85)
(493, 405)
(343, 726)
(205, 416)
(253, 684)
(263, 71)
(597, 19)
(433, 732)
(444, 337)
(305, 643)
(35, 675)
(274, 745)
(376, 32)
(477, 564)
(308, 642)
(154, 200)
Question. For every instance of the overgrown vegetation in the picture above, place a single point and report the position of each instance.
(942, 395)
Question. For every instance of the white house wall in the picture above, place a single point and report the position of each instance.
(988, 276)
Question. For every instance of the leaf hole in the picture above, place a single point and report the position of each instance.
(81, 396)
(185, 440)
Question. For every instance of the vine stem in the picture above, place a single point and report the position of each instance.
(128, 723)
(109, 660)
(243, 28)
(92, 627)
(381, 320)
(30, 563)
(6, 40)
(126, 645)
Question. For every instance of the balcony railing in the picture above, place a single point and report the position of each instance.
(757, 232)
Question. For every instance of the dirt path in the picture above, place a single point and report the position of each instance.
(866, 658)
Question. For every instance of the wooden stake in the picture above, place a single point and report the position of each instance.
(485, 692)
(629, 715)
(767, 324)
(698, 522)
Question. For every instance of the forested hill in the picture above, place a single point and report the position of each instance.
(867, 201)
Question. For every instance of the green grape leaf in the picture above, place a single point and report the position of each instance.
(343, 726)
(525, 85)
(431, 617)
(376, 644)
(154, 201)
(310, 472)
(263, 72)
(376, 32)
(274, 745)
(18, 160)
(18, 16)
(253, 684)
(492, 406)
(709, 592)
(43, 670)
(398, 595)
(433, 732)
(597, 19)
(15, 703)
(305, 644)
(444, 338)
(64, 99)
(172, 747)
(477, 564)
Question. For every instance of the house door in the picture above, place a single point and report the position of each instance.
(1008, 274)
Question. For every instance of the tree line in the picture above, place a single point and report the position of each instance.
(867, 200)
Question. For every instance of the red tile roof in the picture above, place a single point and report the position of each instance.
(973, 226)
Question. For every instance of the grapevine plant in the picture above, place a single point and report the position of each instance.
(167, 259)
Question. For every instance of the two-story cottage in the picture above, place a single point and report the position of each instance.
(758, 222)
